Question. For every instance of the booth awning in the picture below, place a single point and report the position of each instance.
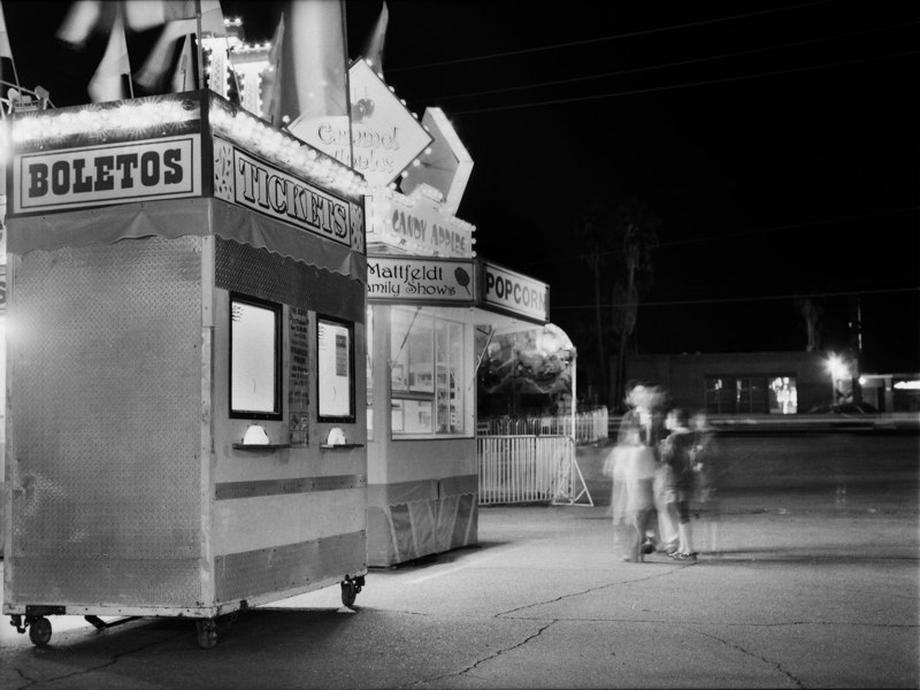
(177, 218)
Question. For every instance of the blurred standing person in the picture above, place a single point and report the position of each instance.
(676, 480)
(705, 457)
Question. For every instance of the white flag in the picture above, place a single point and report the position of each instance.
(5, 50)
(106, 84)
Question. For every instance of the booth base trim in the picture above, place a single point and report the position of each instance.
(400, 531)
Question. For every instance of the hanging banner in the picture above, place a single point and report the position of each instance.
(514, 293)
(420, 280)
(167, 168)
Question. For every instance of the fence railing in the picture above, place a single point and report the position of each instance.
(523, 469)
(589, 426)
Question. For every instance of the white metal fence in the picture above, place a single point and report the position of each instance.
(525, 469)
(589, 426)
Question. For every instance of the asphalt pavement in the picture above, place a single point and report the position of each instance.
(805, 586)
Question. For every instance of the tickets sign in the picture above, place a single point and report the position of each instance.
(514, 293)
(420, 280)
(167, 168)
(252, 182)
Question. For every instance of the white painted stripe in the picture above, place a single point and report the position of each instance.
(470, 564)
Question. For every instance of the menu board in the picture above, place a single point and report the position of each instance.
(333, 354)
(299, 378)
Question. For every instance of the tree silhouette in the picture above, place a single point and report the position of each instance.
(619, 238)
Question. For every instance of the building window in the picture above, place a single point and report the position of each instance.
(783, 395)
(719, 395)
(335, 375)
(742, 394)
(427, 373)
(255, 358)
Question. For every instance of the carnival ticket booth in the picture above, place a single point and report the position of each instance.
(186, 431)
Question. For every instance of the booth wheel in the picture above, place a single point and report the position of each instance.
(40, 631)
(207, 633)
(350, 588)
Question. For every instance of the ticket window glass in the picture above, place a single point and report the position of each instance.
(427, 374)
(335, 348)
(255, 358)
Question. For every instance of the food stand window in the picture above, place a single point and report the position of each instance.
(255, 358)
(335, 376)
(369, 364)
(426, 374)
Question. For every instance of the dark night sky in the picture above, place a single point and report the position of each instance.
(780, 148)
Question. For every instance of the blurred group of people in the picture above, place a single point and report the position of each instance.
(663, 472)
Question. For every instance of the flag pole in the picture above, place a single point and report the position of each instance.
(121, 16)
(15, 74)
(198, 48)
(351, 142)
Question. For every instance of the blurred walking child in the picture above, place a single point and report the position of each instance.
(631, 464)
(678, 481)
(705, 457)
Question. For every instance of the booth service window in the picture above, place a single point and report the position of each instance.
(255, 358)
(427, 374)
(336, 381)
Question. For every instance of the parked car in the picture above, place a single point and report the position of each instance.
(846, 408)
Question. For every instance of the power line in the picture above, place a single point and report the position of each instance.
(742, 233)
(790, 226)
(668, 65)
(719, 300)
(601, 39)
(686, 85)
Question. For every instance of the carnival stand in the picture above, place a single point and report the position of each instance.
(185, 424)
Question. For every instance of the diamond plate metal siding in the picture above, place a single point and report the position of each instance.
(106, 405)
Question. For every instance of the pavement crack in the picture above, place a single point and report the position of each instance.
(741, 649)
(29, 681)
(111, 662)
(598, 588)
(472, 667)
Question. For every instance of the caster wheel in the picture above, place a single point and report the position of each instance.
(40, 632)
(349, 592)
(207, 633)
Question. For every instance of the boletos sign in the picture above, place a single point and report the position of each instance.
(514, 293)
(165, 168)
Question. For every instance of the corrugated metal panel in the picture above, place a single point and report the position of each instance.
(280, 568)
